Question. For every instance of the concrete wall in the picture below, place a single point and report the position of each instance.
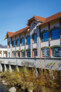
(47, 63)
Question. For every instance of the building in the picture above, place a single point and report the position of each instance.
(3, 52)
(41, 38)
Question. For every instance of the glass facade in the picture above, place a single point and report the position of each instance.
(45, 52)
(35, 38)
(18, 43)
(56, 52)
(45, 36)
(23, 41)
(23, 53)
(28, 40)
(13, 43)
(55, 33)
(28, 53)
(35, 52)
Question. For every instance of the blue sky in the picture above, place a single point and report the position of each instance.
(14, 14)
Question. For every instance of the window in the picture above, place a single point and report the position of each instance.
(14, 54)
(23, 53)
(18, 53)
(35, 38)
(23, 41)
(28, 53)
(14, 43)
(45, 36)
(28, 40)
(9, 44)
(56, 52)
(55, 33)
(35, 52)
(18, 43)
(45, 52)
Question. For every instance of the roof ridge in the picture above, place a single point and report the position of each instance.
(53, 15)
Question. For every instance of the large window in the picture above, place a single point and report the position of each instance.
(55, 33)
(45, 52)
(14, 43)
(28, 53)
(28, 40)
(35, 38)
(13, 53)
(56, 52)
(23, 41)
(23, 53)
(18, 53)
(35, 52)
(45, 36)
(18, 43)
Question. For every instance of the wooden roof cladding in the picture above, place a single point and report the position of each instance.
(51, 18)
(11, 34)
(34, 18)
(37, 18)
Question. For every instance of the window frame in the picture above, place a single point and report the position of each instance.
(18, 43)
(22, 53)
(35, 54)
(29, 53)
(35, 35)
(28, 39)
(44, 52)
(56, 36)
(23, 43)
(54, 53)
(43, 40)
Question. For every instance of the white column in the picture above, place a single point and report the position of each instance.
(2, 53)
(10, 48)
(38, 42)
(31, 46)
(17, 68)
(10, 69)
(1, 69)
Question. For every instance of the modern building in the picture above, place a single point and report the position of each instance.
(3, 52)
(41, 38)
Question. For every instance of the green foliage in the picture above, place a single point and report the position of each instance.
(27, 79)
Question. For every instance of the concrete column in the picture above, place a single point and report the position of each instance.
(49, 39)
(20, 54)
(38, 42)
(25, 47)
(17, 68)
(1, 69)
(5, 68)
(60, 37)
(20, 48)
(11, 54)
(16, 53)
(31, 45)
(40, 53)
(32, 54)
(10, 69)
(2, 53)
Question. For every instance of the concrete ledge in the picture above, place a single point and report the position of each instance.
(47, 63)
